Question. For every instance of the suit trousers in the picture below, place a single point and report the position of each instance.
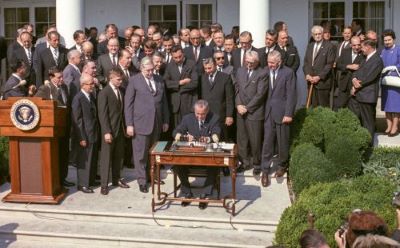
(341, 100)
(112, 156)
(366, 113)
(87, 164)
(183, 174)
(249, 137)
(63, 157)
(276, 138)
(320, 98)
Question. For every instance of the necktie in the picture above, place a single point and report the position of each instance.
(353, 57)
(180, 68)
(210, 78)
(248, 74)
(244, 57)
(127, 73)
(55, 55)
(195, 54)
(150, 87)
(219, 68)
(29, 55)
(316, 48)
(119, 96)
(113, 60)
(201, 124)
(167, 58)
(273, 79)
(61, 98)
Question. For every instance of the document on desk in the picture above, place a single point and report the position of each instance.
(224, 146)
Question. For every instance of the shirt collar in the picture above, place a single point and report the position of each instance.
(370, 55)
(16, 75)
(86, 94)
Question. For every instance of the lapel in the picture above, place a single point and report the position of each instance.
(215, 80)
(277, 79)
(319, 50)
(253, 74)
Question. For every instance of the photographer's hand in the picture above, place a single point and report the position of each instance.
(340, 239)
(398, 218)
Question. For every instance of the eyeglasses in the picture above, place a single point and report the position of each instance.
(219, 58)
(194, 38)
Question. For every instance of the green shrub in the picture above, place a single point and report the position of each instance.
(4, 167)
(309, 166)
(331, 203)
(385, 162)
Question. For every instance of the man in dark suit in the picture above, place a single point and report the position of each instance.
(229, 47)
(196, 126)
(279, 111)
(168, 43)
(107, 61)
(79, 38)
(271, 38)
(53, 56)
(125, 64)
(238, 55)
(251, 90)
(72, 74)
(111, 32)
(87, 130)
(318, 63)
(146, 116)
(290, 54)
(346, 43)
(25, 53)
(56, 90)
(196, 51)
(16, 85)
(206, 36)
(110, 111)
(217, 90)
(348, 62)
(181, 81)
(15, 44)
(365, 87)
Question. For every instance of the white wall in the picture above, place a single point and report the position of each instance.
(228, 14)
(123, 13)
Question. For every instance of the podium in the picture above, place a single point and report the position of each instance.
(33, 148)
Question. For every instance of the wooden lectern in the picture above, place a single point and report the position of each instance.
(34, 153)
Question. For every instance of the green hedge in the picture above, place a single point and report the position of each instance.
(4, 168)
(331, 203)
(340, 143)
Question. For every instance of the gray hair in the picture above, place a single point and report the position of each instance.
(275, 55)
(73, 53)
(85, 78)
(201, 104)
(207, 61)
(316, 28)
(253, 54)
(146, 61)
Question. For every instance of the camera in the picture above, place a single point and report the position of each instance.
(396, 199)
(343, 228)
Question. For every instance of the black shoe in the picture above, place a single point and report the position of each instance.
(104, 190)
(203, 205)
(85, 189)
(256, 171)
(121, 184)
(98, 178)
(68, 184)
(226, 171)
(186, 196)
(143, 188)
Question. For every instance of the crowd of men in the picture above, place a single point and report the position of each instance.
(125, 93)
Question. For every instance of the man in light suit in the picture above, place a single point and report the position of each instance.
(196, 51)
(55, 89)
(251, 91)
(146, 116)
(365, 87)
(348, 62)
(181, 82)
(200, 124)
(25, 53)
(279, 111)
(53, 56)
(318, 64)
(107, 61)
(110, 111)
(217, 90)
(87, 130)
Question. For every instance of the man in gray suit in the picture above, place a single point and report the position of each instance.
(15, 85)
(181, 81)
(279, 111)
(146, 115)
(72, 74)
(107, 61)
(251, 90)
(110, 111)
(86, 129)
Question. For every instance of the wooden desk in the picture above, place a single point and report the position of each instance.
(160, 154)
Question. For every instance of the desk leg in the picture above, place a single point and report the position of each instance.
(152, 162)
(233, 174)
(158, 182)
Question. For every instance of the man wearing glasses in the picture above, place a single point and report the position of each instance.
(197, 52)
(245, 40)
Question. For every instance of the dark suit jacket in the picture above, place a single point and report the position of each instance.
(205, 52)
(19, 54)
(252, 92)
(181, 94)
(190, 125)
(345, 75)
(72, 79)
(219, 95)
(369, 73)
(8, 90)
(236, 61)
(3, 48)
(263, 55)
(110, 112)
(142, 108)
(291, 57)
(84, 117)
(45, 61)
(10, 50)
(104, 65)
(281, 100)
(348, 45)
(323, 64)
(50, 91)
(102, 46)
(125, 79)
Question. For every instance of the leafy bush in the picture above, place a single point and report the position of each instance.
(385, 162)
(308, 166)
(341, 141)
(331, 203)
(4, 168)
